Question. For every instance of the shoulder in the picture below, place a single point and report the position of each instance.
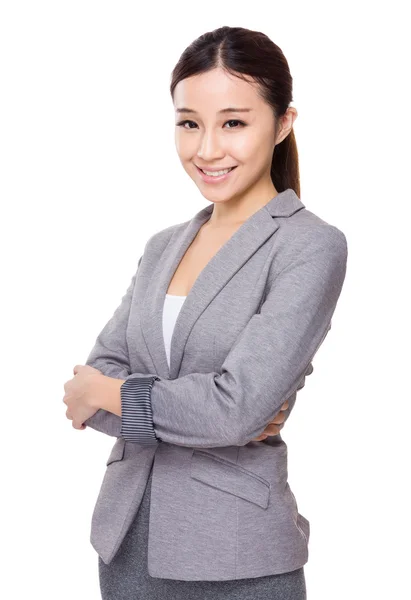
(306, 224)
(305, 228)
(161, 238)
(304, 236)
(157, 243)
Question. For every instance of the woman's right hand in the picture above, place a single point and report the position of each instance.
(274, 426)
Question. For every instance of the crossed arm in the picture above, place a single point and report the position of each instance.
(266, 365)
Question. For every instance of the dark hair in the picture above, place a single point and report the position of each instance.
(242, 52)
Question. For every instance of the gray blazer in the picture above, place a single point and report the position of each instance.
(221, 507)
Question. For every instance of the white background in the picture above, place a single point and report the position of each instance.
(89, 172)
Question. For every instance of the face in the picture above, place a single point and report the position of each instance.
(209, 137)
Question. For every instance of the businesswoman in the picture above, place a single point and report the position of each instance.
(200, 364)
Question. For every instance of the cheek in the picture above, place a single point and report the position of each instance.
(185, 147)
(245, 147)
(254, 150)
(177, 142)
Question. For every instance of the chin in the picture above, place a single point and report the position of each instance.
(215, 198)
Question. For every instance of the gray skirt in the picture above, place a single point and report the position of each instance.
(127, 578)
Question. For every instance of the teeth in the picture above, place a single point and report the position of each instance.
(217, 173)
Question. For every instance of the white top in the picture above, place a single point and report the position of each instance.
(171, 309)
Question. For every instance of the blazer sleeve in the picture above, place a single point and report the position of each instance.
(264, 367)
(110, 356)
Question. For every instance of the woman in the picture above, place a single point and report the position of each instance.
(197, 367)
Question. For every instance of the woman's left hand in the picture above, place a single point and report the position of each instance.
(80, 394)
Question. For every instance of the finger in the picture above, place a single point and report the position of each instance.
(273, 429)
(273, 432)
(280, 418)
(285, 405)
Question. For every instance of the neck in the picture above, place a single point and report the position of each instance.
(236, 211)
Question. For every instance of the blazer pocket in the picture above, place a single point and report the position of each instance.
(117, 451)
(229, 477)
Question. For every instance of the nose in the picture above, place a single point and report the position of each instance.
(209, 148)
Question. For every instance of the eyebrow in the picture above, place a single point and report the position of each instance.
(223, 110)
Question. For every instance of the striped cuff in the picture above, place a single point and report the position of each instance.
(136, 414)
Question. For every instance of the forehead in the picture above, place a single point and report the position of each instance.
(215, 89)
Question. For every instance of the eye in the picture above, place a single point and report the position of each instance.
(182, 123)
(235, 121)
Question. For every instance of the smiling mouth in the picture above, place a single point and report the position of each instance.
(228, 169)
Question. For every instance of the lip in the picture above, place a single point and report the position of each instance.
(218, 169)
(213, 178)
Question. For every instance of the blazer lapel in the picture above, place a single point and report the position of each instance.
(223, 265)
